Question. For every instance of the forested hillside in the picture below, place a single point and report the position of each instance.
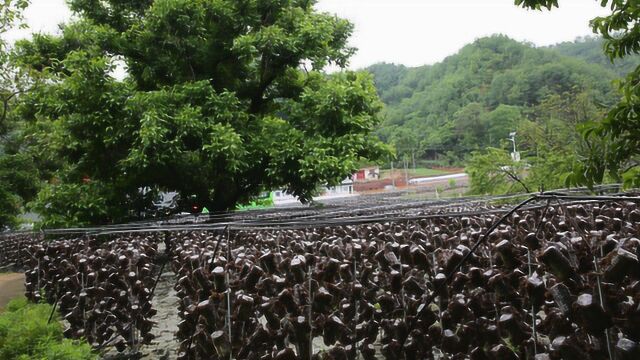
(494, 86)
(590, 49)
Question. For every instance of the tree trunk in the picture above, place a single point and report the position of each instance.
(413, 158)
(393, 179)
(406, 172)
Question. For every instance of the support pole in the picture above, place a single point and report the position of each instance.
(310, 314)
(393, 178)
(229, 315)
(601, 300)
(533, 311)
(355, 305)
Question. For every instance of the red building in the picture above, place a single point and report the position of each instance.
(367, 174)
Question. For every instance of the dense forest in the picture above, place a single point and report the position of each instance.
(478, 96)
(589, 49)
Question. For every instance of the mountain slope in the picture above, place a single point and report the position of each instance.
(590, 49)
(474, 98)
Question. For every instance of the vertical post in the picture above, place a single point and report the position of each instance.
(310, 314)
(38, 290)
(533, 311)
(402, 295)
(84, 313)
(413, 159)
(355, 305)
(434, 266)
(435, 272)
(228, 245)
(606, 331)
(494, 297)
(406, 172)
(229, 292)
(393, 179)
(229, 315)
(133, 337)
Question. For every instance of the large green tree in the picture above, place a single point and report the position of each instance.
(618, 156)
(215, 99)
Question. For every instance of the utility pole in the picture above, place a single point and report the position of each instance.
(406, 174)
(393, 178)
(413, 159)
(512, 138)
(514, 155)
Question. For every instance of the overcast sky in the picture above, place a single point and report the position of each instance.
(414, 32)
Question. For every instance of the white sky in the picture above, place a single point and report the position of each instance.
(413, 32)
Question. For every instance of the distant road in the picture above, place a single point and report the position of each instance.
(438, 179)
(461, 179)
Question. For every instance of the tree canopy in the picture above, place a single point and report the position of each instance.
(217, 100)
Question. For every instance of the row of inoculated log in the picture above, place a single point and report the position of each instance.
(102, 289)
(12, 247)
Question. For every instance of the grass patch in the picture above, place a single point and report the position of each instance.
(25, 335)
(427, 172)
(431, 195)
(418, 172)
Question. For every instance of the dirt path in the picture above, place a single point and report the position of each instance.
(165, 345)
(11, 286)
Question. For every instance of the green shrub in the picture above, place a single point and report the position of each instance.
(17, 304)
(25, 334)
(67, 349)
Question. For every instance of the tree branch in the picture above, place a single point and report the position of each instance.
(5, 101)
(266, 78)
(631, 166)
(515, 178)
(5, 106)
